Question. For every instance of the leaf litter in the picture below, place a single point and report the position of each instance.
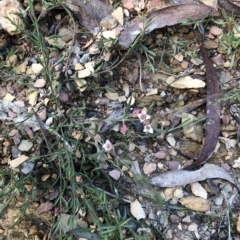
(90, 16)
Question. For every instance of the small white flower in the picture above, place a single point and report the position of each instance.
(78, 179)
(236, 163)
(107, 146)
(148, 128)
(143, 116)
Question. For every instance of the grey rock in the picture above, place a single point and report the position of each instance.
(25, 145)
(84, 58)
(15, 152)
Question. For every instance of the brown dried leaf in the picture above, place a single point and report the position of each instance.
(168, 16)
(44, 207)
(212, 110)
(195, 203)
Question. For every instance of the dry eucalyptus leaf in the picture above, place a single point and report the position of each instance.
(184, 177)
(195, 203)
(185, 82)
(168, 16)
(44, 207)
(212, 109)
(137, 210)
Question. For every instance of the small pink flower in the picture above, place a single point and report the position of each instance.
(143, 116)
(56, 211)
(123, 128)
(107, 146)
(136, 112)
(148, 128)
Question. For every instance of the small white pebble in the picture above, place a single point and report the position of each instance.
(49, 121)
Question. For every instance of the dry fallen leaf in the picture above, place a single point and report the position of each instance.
(185, 82)
(184, 177)
(212, 109)
(44, 207)
(168, 16)
(195, 203)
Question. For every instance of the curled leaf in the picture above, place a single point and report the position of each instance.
(184, 177)
(212, 110)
